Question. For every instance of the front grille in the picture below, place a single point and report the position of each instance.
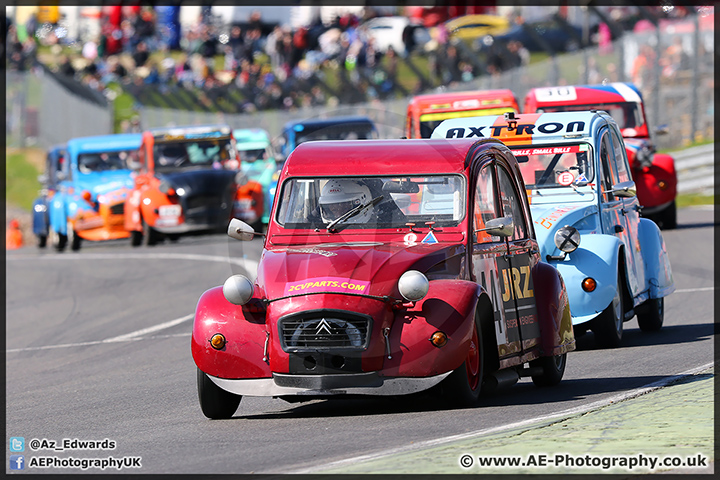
(203, 201)
(117, 209)
(324, 330)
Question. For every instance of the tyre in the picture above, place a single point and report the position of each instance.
(149, 235)
(174, 237)
(215, 402)
(650, 315)
(136, 238)
(608, 326)
(462, 387)
(553, 370)
(42, 241)
(74, 239)
(58, 240)
(668, 217)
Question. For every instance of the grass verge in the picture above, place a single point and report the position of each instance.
(21, 178)
(690, 199)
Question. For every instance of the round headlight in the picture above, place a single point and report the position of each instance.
(567, 238)
(241, 178)
(413, 285)
(238, 289)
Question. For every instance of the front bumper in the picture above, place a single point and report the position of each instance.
(328, 385)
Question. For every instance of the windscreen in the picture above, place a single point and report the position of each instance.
(377, 202)
(430, 121)
(103, 161)
(625, 114)
(348, 131)
(555, 166)
(183, 154)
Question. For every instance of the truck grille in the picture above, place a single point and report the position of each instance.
(324, 330)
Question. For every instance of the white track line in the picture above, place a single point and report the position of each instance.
(531, 421)
(141, 256)
(690, 290)
(121, 338)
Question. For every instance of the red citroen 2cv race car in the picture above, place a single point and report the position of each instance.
(654, 173)
(422, 271)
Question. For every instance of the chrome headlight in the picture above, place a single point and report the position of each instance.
(567, 239)
(413, 285)
(238, 289)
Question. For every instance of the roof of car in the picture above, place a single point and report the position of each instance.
(531, 128)
(442, 101)
(586, 94)
(106, 143)
(315, 123)
(378, 157)
(189, 130)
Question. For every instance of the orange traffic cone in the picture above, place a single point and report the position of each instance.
(13, 237)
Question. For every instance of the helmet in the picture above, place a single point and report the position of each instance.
(340, 196)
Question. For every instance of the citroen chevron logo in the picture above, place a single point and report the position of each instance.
(323, 326)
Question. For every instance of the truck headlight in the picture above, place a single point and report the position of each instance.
(567, 239)
(413, 285)
(238, 289)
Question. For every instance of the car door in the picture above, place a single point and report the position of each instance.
(502, 266)
(630, 215)
(613, 213)
(522, 256)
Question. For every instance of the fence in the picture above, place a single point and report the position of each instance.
(42, 111)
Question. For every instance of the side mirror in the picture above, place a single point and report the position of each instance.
(624, 189)
(662, 129)
(500, 227)
(240, 230)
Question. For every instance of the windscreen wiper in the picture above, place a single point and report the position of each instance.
(353, 212)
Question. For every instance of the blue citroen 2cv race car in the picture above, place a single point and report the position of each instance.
(87, 195)
(586, 215)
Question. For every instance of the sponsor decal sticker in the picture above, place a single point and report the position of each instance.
(410, 239)
(550, 219)
(327, 284)
(430, 238)
(565, 178)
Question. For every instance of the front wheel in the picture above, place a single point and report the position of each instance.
(668, 217)
(462, 386)
(553, 369)
(608, 326)
(74, 239)
(58, 240)
(215, 402)
(149, 234)
(650, 315)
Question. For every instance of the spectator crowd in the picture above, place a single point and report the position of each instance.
(274, 67)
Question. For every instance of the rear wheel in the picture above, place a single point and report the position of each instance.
(608, 326)
(215, 402)
(553, 369)
(42, 241)
(462, 386)
(650, 315)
